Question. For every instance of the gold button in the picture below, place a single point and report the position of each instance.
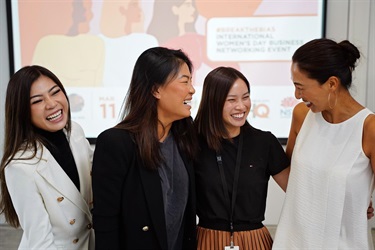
(72, 221)
(145, 229)
(75, 241)
(60, 199)
(89, 226)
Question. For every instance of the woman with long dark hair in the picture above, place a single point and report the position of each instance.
(45, 169)
(143, 180)
(234, 166)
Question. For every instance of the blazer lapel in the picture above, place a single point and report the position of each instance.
(153, 192)
(83, 161)
(51, 171)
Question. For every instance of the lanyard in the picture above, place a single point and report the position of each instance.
(235, 183)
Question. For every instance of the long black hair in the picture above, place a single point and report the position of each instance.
(20, 133)
(155, 67)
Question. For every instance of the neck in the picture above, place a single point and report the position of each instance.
(181, 28)
(234, 132)
(163, 131)
(345, 108)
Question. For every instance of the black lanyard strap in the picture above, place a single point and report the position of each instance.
(235, 181)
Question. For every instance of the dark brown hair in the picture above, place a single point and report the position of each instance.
(155, 67)
(20, 133)
(322, 58)
(209, 119)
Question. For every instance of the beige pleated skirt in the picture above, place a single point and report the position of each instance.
(209, 239)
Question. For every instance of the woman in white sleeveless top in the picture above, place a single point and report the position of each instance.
(332, 145)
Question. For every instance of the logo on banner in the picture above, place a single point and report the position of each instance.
(260, 110)
(287, 105)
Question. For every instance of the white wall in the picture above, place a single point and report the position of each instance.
(346, 19)
(4, 68)
(370, 98)
(4, 72)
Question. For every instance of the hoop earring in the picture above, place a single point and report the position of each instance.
(329, 101)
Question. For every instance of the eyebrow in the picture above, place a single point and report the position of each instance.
(184, 76)
(49, 91)
(246, 93)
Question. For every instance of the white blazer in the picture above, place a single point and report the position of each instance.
(52, 212)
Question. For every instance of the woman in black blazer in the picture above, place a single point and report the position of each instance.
(143, 180)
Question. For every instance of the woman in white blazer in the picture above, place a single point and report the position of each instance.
(45, 169)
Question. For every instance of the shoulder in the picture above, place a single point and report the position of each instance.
(115, 137)
(27, 155)
(299, 114)
(76, 127)
(252, 131)
(369, 127)
(300, 111)
(77, 131)
(78, 140)
(258, 135)
(369, 136)
(24, 162)
(115, 134)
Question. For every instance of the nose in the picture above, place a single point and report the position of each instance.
(298, 93)
(50, 103)
(192, 89)
(241, 105)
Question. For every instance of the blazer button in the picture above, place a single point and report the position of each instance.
(89, 226)
(60, 199)
(75, 241)
(145, 229)
(71, 222)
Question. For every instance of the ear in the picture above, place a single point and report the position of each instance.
(333, 83)
(156, 92)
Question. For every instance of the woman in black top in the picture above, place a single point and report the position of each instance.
(143, 178)
(234, 166)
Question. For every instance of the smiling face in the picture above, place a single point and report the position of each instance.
(236, 107)
(174, 98)
(49, 105)
(309, 90)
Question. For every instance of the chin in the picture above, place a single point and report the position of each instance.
(239, 124)
(56, 127)
(314, 110)
(187, 114)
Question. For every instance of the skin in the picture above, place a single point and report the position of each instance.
(132, 14)
(49, 106)
(236, 109)
(315, 97)
(185, 13)
(120, 18)
(174, 100)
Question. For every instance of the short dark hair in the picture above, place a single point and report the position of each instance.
(322, 58)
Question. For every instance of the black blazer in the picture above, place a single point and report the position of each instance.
(128, 203)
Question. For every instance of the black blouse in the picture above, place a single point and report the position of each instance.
(262, 157)
(58, 145)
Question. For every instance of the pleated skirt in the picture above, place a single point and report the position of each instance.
(209, 239)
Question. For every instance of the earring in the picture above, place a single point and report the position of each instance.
(329, 101)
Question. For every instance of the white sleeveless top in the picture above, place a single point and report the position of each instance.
(329, 189)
